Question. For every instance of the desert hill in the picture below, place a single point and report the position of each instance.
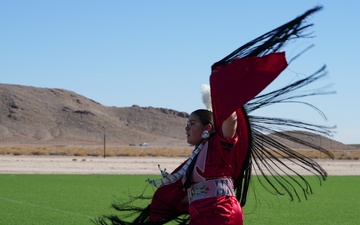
(32, 115)
(317, 139)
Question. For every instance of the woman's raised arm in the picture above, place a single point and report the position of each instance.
(229, 126)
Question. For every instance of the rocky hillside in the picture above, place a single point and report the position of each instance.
(31, 115)
(315, 139)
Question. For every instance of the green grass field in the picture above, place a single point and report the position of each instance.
(76, 199)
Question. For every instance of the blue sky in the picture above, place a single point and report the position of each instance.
(158, 53)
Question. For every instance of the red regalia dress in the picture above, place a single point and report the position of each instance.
(221, 158)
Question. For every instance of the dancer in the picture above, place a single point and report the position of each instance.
(212, 185)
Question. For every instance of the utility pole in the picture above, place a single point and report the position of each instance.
(104, 142)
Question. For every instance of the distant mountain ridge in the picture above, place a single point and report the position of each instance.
(32, 115)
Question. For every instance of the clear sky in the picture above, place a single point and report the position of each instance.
(158, 53)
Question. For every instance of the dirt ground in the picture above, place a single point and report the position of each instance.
(129, 165)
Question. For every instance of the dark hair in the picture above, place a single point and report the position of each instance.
(205, 117)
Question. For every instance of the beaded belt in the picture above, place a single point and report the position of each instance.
(211, 188)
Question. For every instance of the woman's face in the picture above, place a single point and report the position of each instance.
(194, 129)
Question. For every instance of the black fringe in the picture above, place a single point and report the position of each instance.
(270, 156)
(128, 210)
(274, 40)
(242, 183)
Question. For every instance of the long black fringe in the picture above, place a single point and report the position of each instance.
(274, 40)
(270, 156)
(130, 214)
(261, 158)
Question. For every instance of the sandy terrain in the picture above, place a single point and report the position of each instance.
(126, 165)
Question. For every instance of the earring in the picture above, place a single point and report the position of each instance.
(205, 134)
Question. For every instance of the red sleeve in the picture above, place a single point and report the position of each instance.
(167, 200)
(240, 81)
(228, 143)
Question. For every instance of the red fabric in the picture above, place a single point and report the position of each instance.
(243, 141)
(223, 210)
(166, 202)
(240, 81)
(218, 161)
(167, 199)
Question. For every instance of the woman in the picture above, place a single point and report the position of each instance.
(211, 186)
(204, 186)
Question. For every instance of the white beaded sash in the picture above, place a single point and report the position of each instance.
(172, 178)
